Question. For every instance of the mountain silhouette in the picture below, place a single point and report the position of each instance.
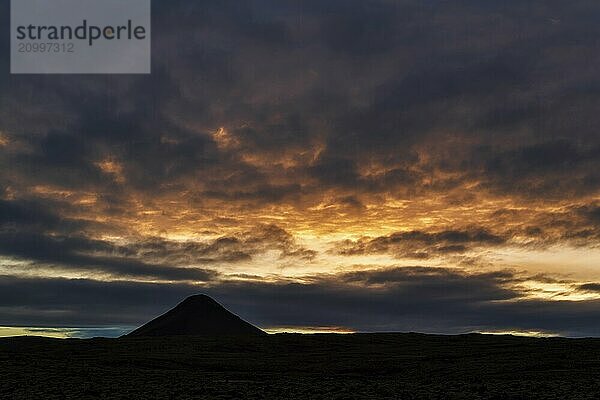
(197, 315)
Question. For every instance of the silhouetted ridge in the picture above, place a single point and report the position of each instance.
(197, 315)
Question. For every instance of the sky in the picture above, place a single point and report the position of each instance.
(337, 166)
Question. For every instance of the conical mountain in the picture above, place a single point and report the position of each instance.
(197, 315)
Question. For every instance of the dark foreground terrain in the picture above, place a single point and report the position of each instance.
(377, 366)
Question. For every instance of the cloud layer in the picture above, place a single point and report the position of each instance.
(295, 158)
(393, 299)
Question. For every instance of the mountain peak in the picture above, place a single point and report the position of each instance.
(198, 299)
(197, 315)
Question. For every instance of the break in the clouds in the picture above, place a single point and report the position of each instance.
(280, 149)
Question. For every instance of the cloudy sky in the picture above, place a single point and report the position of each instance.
(339, 165)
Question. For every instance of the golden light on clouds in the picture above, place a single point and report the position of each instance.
(112, 167)
(322, 227)
(539, 334)
(308, 329)
(464, 177)
(58, 333)
(3, 139)
(224, 140)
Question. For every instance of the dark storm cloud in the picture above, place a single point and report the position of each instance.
(268, 194)
(550, 168)
(83, 302)
(238, 247)
(590, 287)
(576, 225)
(419, 244)
(414, 276)
(82, 254)
(397, 299)
(352, 202)
(224, 249)
(34, 214)
(139, 142)
(591, 214)
(374, 81)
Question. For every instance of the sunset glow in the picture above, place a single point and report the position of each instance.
(447, 183)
